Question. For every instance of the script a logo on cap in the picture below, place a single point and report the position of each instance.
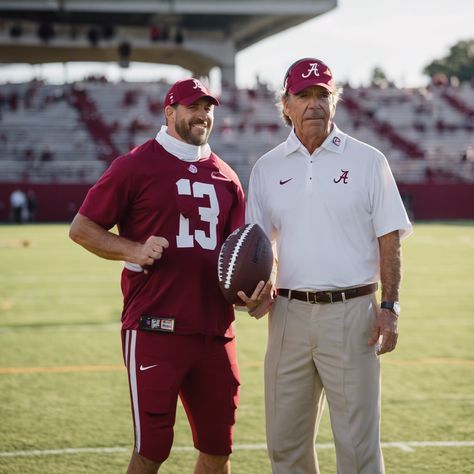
(198, 85)
(312, 70)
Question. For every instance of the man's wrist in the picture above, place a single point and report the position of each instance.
(393, 306)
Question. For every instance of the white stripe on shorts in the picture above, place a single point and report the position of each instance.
(132, 371)
(127, 340)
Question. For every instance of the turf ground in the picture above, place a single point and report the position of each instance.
(64, 395)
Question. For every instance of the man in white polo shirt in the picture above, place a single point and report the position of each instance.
(331, 206)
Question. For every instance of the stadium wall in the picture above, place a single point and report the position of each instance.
(430, 201)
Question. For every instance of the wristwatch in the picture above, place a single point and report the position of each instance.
(393, 306)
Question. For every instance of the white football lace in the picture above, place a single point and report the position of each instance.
(220, 263)
(233, 258)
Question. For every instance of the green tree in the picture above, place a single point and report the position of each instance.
(459, 62)
(379, 78)
(378, 75)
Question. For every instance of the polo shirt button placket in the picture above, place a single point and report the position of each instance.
(309, 173)
(310, 166)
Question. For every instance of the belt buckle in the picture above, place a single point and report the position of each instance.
(329, 293)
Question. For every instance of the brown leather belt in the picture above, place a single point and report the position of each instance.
(328, 296)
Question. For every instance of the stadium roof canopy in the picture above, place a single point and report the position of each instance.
(195, 34)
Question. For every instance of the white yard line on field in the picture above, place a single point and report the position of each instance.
(407, 446)
(249, 363)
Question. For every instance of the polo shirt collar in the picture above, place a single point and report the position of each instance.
(335, 141)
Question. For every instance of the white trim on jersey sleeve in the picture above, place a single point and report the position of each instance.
(133, 267)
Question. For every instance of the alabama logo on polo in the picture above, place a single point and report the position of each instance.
(344, 177)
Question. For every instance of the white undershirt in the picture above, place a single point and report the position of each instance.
(182, 150)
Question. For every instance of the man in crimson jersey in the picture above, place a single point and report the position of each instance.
(174, 203)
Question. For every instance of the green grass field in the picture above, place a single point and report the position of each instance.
(62, 385)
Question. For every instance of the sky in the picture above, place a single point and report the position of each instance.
(399, 36)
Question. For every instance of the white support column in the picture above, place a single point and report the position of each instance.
(220, 51)
(228, 74)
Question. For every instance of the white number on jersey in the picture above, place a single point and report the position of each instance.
(207, 214)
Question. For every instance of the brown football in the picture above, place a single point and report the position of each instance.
(245, 258)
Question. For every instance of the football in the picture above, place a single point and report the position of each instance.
(245, 258)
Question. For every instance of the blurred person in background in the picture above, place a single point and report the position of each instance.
(32, 205)
(18, 207)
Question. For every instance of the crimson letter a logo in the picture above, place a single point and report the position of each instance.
(344, 177)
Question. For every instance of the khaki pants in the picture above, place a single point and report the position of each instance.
(316, 351)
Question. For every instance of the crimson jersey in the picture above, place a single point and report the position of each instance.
(195, 206)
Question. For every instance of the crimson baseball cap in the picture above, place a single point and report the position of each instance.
(308, 72)
(186, 92)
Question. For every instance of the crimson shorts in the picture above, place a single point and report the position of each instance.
(202, 370)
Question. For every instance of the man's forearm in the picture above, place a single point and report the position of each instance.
(390, 265)
(99, 241)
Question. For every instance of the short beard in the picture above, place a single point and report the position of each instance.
(184, 131)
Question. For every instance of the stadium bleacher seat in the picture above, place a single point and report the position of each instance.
(69, 133)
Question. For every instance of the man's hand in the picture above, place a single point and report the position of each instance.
(261, 300)
(386, 325)
(151, 251)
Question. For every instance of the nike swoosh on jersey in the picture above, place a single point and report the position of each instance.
(219, 175)
(147, 367)
(284, 181)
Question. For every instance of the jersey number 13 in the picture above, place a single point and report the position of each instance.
(207, 214)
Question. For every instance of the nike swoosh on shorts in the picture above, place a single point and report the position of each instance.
(147, 367)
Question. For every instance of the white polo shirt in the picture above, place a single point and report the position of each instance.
(325, 211)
